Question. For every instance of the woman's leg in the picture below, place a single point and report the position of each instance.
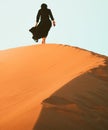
(43, 40)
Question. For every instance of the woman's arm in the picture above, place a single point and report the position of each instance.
(52, 18)
(37, 18)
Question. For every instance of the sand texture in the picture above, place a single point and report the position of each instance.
(53, 87)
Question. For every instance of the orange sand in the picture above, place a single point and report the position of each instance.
(53, 87)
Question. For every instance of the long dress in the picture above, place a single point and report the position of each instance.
(43, 17)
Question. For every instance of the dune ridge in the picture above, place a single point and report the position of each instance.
(53, 86)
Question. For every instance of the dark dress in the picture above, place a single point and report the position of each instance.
(40, 31)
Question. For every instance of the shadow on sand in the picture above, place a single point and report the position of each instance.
(81, 104)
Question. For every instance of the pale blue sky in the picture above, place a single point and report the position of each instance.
(81, 23)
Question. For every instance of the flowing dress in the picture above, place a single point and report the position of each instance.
(44, 18)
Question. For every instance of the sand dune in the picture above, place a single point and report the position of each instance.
(53, 87)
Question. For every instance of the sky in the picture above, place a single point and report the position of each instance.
(81, 23)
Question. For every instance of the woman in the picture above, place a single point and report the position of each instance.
(43, 24)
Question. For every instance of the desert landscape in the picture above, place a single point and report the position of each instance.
(53, 87)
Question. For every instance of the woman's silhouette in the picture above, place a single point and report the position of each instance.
(44, 21)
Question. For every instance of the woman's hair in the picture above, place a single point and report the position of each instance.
(43, 6)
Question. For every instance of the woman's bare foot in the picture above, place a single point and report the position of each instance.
(43, 40)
